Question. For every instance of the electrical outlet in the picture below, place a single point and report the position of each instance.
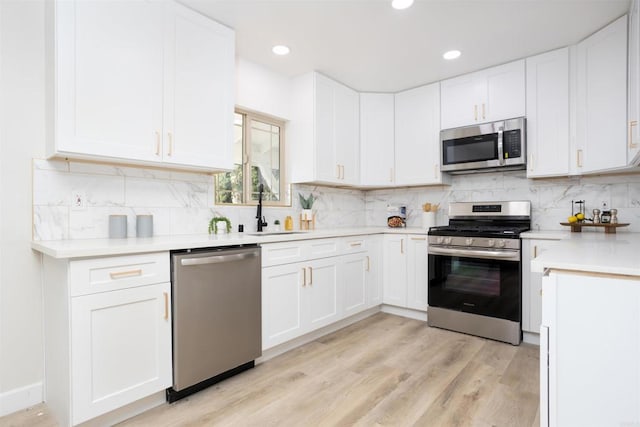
(78, 201)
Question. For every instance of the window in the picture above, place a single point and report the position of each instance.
(258, 153)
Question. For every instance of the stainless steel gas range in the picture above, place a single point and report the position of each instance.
(475, 282)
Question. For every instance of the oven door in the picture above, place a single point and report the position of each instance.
(487, 283)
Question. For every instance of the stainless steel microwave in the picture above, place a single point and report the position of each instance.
(488, 146)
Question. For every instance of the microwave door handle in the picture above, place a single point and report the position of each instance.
(500, 145)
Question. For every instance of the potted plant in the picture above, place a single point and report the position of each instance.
(219, 225)
(306, 204)
(276, 224)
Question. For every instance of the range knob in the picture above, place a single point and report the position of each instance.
(447, 241)
(439, 240)
(468, 241)
(501, 243)
(491, 243)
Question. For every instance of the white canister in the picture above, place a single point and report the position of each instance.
(428, 220)
(144, 225)
(117, 226)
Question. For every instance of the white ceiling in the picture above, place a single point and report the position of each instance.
(371, 47)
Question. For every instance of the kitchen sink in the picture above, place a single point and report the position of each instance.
(275, 233)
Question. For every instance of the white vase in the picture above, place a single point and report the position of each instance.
(221, 227)
(307, 214)
(428, 220)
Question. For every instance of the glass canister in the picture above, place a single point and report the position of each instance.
(288, 223)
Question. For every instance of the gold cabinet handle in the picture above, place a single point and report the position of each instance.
(124, 274)
(368, 263)
(475, 112)
(166, 306)
(310, 276)
(632, 124)
(401, 246)
(535, 251)
(157, 143)
(355, 244)
(342, 169)
(338, 171)
(579, 158)
(170, 152)
(483, 110)
(304, 276)
(418, 238)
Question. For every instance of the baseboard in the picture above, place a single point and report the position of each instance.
(20, 398)
(404, 312)
(531, 338)
(311, 336)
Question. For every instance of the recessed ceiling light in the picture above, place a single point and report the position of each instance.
(401, 4)
(452, 54)
(281, 49)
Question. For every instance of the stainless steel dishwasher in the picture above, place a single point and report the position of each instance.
(217, 320)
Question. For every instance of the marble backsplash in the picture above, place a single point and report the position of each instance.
(183, 203)
(180, 202)
(550, 198)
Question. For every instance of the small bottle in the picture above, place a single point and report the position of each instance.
(614, 216)
(288, 223)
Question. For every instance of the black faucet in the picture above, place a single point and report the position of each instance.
(261, 219)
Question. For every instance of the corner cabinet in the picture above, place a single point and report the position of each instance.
(548, 114)
(149, 83)
(377, 145)
(488, 95)
(601, 100)
(323, 134)
(108, 333)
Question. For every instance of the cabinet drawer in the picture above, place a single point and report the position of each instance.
(89, 276)
(301, 250)
(355, 244)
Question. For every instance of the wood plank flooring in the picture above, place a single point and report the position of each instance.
(383, 371)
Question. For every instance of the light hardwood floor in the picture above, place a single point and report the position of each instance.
(383, 371)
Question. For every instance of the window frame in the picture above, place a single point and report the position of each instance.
(285, 187)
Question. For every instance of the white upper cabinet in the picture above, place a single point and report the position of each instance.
(633, 138)
(141, 83)
(601, 100)
(548, 114)
(324, 135)
(377, 139)
(496, 93)
(199, 90)
(417, 136)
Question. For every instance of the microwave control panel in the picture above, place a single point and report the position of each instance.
(511, 143)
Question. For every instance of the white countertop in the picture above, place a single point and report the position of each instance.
(105, 247)
(616, 254)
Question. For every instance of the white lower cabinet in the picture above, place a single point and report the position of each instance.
(589, 350)
(406, 278)
(107, 333)
(300, 297)
(532, 285)
(120, 348)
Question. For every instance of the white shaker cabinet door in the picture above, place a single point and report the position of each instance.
(199, 90)
(601, 112)
(418, 273)
(548, 114)
(633, 143)
(376, 139)
(374, 270)
(503, 95)
(120, 348)
(326, 162)
(324, 297)
(282, 298)
(353, 280)
(459, 102)
(347, 133)
(417, 136)
(395, 270)
(109, 82)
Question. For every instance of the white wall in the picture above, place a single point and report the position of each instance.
(22, 138)
(262, 90)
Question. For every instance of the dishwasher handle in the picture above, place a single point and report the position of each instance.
(217, 259)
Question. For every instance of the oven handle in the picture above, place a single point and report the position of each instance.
(501, 145)
(506, 255)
